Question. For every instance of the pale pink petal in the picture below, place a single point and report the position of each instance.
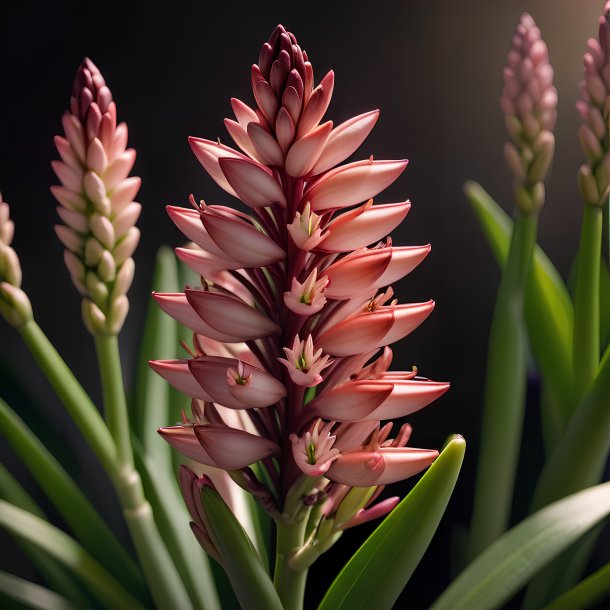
(211, 373)
(316, 105)
(364, 515)
(183, 439)
(240, 137)
(189, 222)
(406, 319)
(404, 260)
(177, 373)
(353, 183)
(124, 193)
(252, 182)
(344, 140)
(204, 263)
(267, 149)
(408, 396)
(304, 152)
(232, 449)
(363, 226)
(230, 315)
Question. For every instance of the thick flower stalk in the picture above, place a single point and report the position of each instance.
(14, 304)
(96, 201)
(289, 368)
(594, 184)
(529, 102)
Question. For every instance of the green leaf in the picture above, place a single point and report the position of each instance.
(549, 312)
(53, 573)
(505, 566)
(159, 341)
(173, 519)
(242, 563)
(67, 551)
(379, 570)
(32, 595)
(586, 594)
(80, 516)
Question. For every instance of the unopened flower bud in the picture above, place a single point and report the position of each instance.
(15, 305)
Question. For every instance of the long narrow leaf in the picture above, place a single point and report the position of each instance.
(504, 567)
(382, 566)
(88, 527)
(32, 595)
(243, 565)
(54, 574)
(549, 312)
(67, 551)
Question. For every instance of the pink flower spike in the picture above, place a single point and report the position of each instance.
(304, 366)
(241, 241)
(313, 452)
(353, 183)
(363, 226)
(309, 297)
(183, 439)
(232, 449)
(305, 152)
(345, 140)
(357, 273)
(208, 154)
(304, 229)
(352, 401)
(177, 373)
(252, 182)
(230, 315)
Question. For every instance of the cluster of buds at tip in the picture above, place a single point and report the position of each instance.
(290, 362)
(594, 108)
(529, 102)
(14, 303)
(96, 200)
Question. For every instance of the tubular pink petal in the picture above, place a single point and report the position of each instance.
(363, 226)
(243, 113)
(316, 105)
(240, 137)
(305, 152)
(352, 401)
(69, 199)
(241, 241)
(204, 263)
(406, 319)
(352, 183)
(357, 273)
(72, 179)
(230, 315)
(119, 169)
(178, 374)
(189, 222)
(74, 220)
(364, 515)
(252, 182)
(208, 153)
(345, 140)
(404, 260)
(126, 218)
(177, 306)
(284, 129)
(265, 99)
(232, 449)
(407, 397)
(211, 374)
(265, 145)
(357, 334)
(124, 193)
(183, 439)
(255, 387)
(67, 153)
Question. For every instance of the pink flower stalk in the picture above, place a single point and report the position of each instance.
(14, 303)
(593, 107)
(96, 201)
(529, 102)
(294, 306)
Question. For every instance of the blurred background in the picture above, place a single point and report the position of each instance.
(433, 67)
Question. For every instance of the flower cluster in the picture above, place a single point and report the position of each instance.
(529, 101)
(96, 201)
(594, 108)
(294, 307)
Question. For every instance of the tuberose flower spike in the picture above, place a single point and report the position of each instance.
(295, 303)
(96, 201)
(594, 108)
(529, 102)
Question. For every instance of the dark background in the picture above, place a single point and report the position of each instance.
(433, 67)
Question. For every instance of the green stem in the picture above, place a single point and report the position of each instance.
(289, 584)
(78, 404)
(586, 303)
(504, 393)
(115, 404)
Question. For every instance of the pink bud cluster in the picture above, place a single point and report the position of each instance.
(14, 303)
(96, 201)
(529, 102)
(290, 362)
(594, 108)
